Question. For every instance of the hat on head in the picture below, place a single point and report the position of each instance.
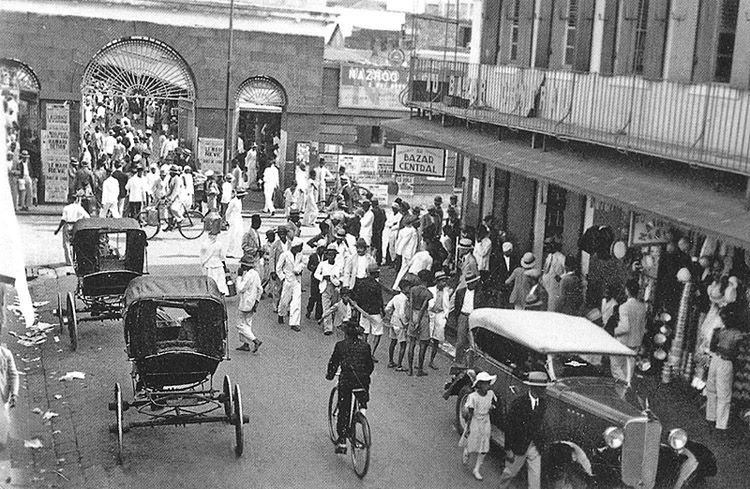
(361, 243)
(187, 169)
(209, 173)
(439, 275)
(24, 153)
(248, 261)
(536, 379)
(465, 243)
(174, 169)
(507, 246)
(332, 247)
(138, 167)
(351, 327)
(136, 158)
(148, 131)
(282, 230)
(293, 211)
(270, 232)
(408, 279)
(297, 243)
(471, 277)
(80, 193)
(74, 160)
(341, 233)
(484, 377)
(528, 260)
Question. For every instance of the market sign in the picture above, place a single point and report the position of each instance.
(419, 160)
(211, 155)
(372, 87)
(645, 230)
(56, 151)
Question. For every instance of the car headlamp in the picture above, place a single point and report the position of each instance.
(678, 438)
(613, 437)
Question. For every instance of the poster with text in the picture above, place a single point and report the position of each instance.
(419, 160)
(211, 154)
(372, 87)
(56, 151)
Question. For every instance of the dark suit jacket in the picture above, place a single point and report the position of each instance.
(524, 425)
(312, 265)
(502, 272)
(571, 295)
(482, 298)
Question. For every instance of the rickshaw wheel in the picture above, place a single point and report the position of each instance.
(228, 400)
(238, 418)
(60, 313)
(72, 321)
(118, 413)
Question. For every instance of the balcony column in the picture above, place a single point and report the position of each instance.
(747, 194)
(540, 214)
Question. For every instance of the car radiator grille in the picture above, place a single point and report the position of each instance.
(640, 452)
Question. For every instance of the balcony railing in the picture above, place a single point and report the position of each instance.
(705, 124)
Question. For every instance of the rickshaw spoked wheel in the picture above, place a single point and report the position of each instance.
(238, 419)
(60, 312)
(118, 413)
(72, 321)
(228, 399)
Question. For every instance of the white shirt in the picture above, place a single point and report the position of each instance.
(420, 261)
(608, 308)
(270, 177)
(250, 289)
(73, 213)
(332, 270)
(136, 188)
(468, 305)
(290, 266)
(110, 190)
(226, 192)
(482, 252)
(406, 242)
(365, 230)
(109, 144)
(534, 401)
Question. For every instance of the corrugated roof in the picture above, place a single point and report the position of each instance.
(647, 190)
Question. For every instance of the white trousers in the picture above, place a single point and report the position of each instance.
(245, 327)
(533, 462)
(110, 207)
(405, 262)
(291, 300)
(268, 192)
(719, 391)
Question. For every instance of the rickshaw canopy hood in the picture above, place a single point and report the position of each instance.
(106, 224)
(548, 332)
(176, 287)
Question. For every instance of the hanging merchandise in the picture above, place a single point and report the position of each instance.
(619, 249)
(674, 363)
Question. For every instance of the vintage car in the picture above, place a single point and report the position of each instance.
(599, 432)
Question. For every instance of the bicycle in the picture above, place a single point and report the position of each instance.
(151, 220)
(359, 437)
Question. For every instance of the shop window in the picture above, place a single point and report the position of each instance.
(725, 40)
(639, 45)
(464, 36)
(514, 30)
(570, 33)
(555, 220)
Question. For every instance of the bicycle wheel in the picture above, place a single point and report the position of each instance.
(191, 226)
(333, 414)
(360, 444)
(150, 226)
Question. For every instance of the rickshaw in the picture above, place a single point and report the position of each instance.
(107, 255)
(176, 335)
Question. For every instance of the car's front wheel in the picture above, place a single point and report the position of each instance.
(461, 413)
(571, 476)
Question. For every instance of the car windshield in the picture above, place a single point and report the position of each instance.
(564, 365)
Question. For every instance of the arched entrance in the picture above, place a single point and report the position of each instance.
(259, 106)
(20, 85)
(143, 83)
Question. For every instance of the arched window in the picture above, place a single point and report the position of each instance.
(139, 67)
(261, 94)
(17, 75)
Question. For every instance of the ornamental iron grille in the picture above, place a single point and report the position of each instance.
(18, 76)
(139, 67)
(260, 91)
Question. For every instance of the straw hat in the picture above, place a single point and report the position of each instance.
(536, 379)
(484, 377)
(471, 277)
(528, 260)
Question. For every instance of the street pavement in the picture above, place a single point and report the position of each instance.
(283, 391)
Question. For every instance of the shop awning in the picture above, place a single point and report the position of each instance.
(653, 190)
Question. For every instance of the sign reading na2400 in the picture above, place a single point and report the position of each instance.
(419, 160)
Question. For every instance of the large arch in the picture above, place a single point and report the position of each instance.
(15, 74)
(261, 94)
(145, 80)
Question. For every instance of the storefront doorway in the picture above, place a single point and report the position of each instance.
(145, 82)
(20, 85)
(259, 110)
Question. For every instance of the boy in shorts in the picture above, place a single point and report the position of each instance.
(369, 298)
(419, 324)
(398, 312)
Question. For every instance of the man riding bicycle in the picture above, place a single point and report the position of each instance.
(353, 355)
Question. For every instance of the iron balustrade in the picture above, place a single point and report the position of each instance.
(702, 124)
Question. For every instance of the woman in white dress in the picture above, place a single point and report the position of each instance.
(310, 214)
(212, 261)
(236, 229)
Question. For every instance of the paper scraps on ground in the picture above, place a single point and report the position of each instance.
(36, 411)
(39, 303)
(73, 376)
(35, 338)
(58, 396)
(33, 443)
(29, 360)
(49, 415)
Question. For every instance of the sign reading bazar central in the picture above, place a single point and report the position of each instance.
(419, 160)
